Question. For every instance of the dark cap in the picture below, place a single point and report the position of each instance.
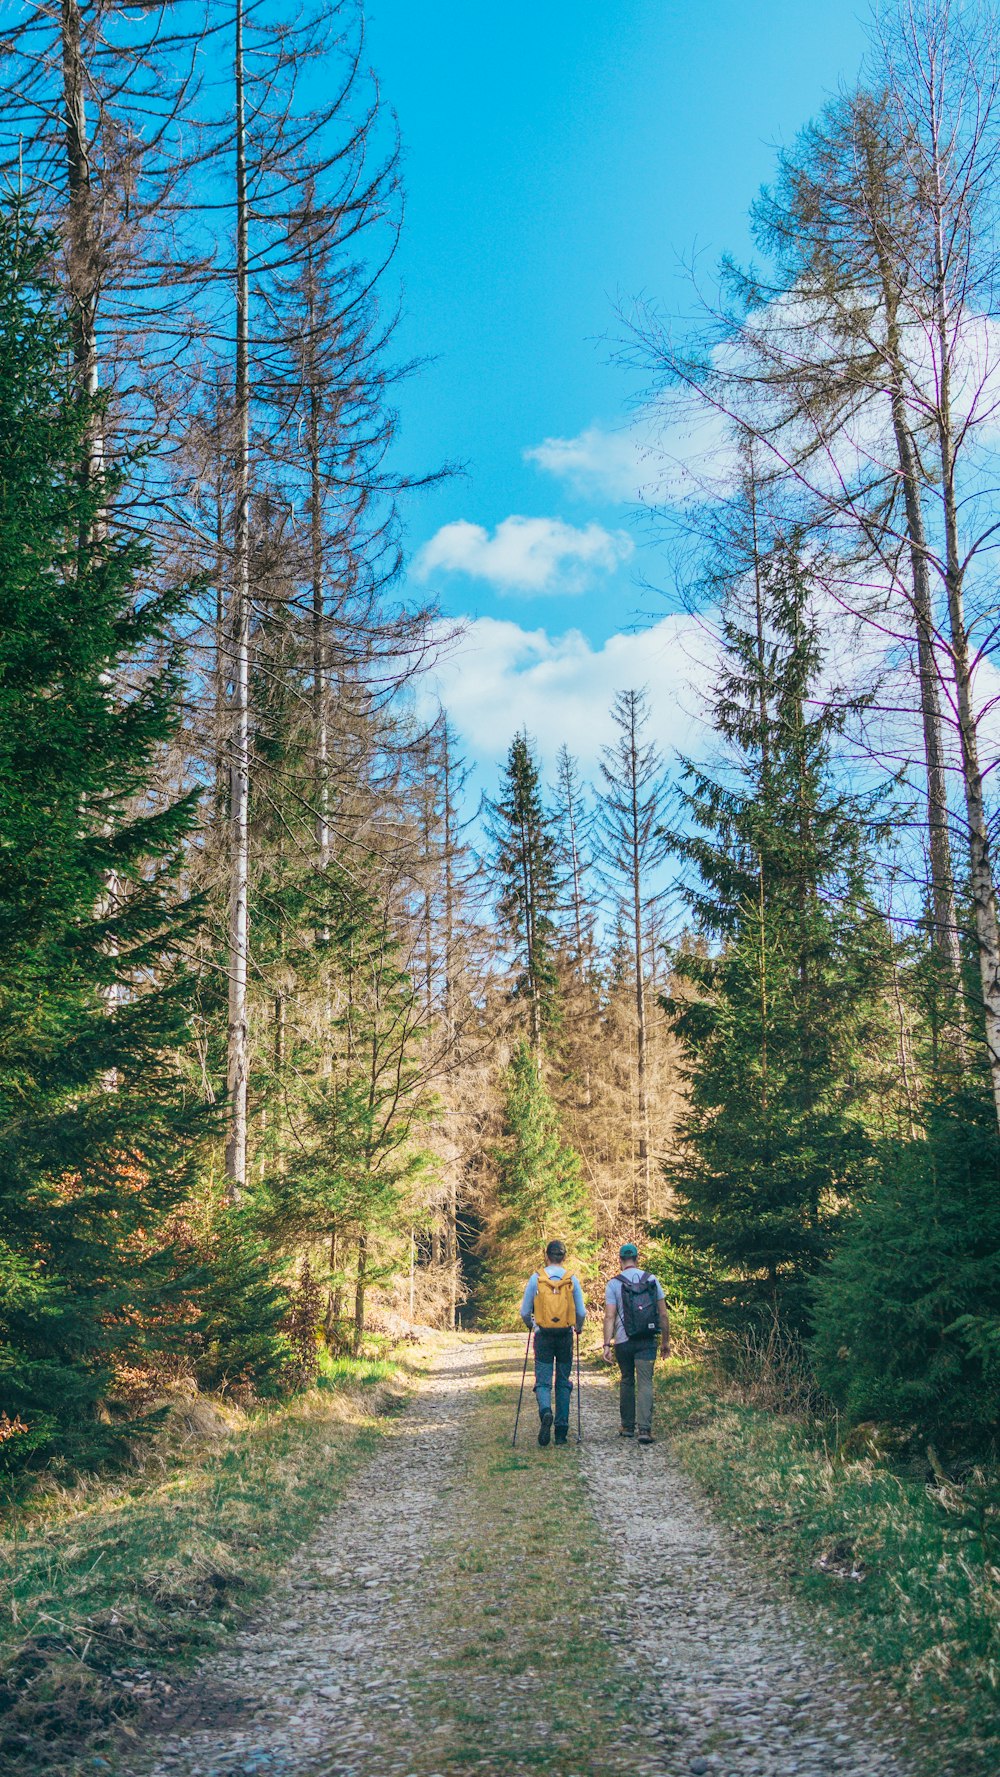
(628, 1251)
(555, 1251)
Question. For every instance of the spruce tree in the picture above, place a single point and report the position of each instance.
(540, 1194)
(525, 870)
(780, 1007)
(358, 1152)
(96, 1127)
(631, 815)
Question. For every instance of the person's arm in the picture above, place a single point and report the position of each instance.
(664, 1326)
(528, 1303)
(579, 1304)
(610, 1315)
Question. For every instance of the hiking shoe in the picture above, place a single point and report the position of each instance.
(646, 1437)
(562, 1433)
(625, 1433)
(545, 1429)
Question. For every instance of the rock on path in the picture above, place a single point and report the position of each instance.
(751, 1691)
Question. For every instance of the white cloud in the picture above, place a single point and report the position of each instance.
(528, 555)
(501, 678)
(596, 461)
(661, 458)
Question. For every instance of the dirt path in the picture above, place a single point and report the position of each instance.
(753, 1690)
(469, 1608)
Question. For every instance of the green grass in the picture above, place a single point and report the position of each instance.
(925, 1614)
(516, 1598)
(113, 1587)
(356, 1372)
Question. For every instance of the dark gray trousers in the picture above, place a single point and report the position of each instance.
(635, 1359)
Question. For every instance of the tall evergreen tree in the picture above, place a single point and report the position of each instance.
(783, 1017)
(526, 875)
(631, 814)
(540, 1194)
(96, 1129)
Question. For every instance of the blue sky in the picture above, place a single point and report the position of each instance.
(562, 157)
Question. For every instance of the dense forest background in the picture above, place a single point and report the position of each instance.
(301, 1045)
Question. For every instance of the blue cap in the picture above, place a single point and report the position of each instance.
(628, 1251)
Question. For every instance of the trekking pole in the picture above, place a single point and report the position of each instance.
(579, 1412)
(520, 1397)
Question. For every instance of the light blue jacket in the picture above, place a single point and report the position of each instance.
(531, 1291)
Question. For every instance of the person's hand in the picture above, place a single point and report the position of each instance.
(665, 1348)
(608, 1353)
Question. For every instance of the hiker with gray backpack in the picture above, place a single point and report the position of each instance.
(636, 1326)
(553, 1308)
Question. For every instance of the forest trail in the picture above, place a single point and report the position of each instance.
(472, 1608)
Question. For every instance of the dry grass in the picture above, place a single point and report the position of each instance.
(110, 1587)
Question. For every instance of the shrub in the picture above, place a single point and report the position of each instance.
(907, 1309)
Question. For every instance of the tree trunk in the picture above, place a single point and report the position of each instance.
(83, 249)
(335, 1300)
(453, 1248)
(359, 1291)
(239, 778)
(448, 909)
(642, 1095)
(944, 931)
(981, 879)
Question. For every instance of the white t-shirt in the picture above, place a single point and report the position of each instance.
(613, 1297)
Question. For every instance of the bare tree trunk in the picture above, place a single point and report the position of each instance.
(239, 768)
(945, 922)
(765, 769)
(83, 254)
(82, 248)
(449, 887)
(279, 1031)
(335, 1300)
(944, 916)
(642, 1092)
(448, 941)
(321, 702)
(359, 1291)
(981, 878)
(453, 1248)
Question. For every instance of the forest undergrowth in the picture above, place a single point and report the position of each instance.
(902, 1564)
(113, 1585)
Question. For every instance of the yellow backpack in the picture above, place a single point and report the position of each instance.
(554, 1307)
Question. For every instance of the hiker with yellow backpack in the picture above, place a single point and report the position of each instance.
(553, 1306)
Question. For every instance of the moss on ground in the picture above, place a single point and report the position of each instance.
(908, 1575)
(517, 1603)
(109, 1590)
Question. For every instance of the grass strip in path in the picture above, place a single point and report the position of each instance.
(518, 1598)
(906, 1577)
(109, 1591)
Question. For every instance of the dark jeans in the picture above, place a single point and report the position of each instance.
(635, 1359)
(554, 1346)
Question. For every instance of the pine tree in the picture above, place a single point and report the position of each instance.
(526, 876)
(358, 1151)
(631, 814)
(572, 823)
(784, 1019)
(540, 1194)
(97, 1132)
